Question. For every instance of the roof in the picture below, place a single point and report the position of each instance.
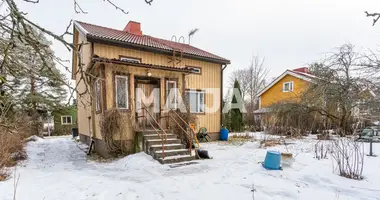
(301, 75)
(104, 33)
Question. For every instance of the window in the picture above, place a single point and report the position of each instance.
(66, 120)
(287, 86)
(121, 89)
(171, 87)
(128, 59)
(195, 70)
(196, 101)
(98, 92)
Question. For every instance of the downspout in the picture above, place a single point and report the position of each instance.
(224, 66)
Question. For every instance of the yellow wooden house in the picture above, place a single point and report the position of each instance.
(287, 87)
(117, 63)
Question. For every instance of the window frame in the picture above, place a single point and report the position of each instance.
(98, 95)
(199, 104)
(291, 85)
(175, 94)
(129, 59)
(195, 70)
(126, 77)
(66, 116)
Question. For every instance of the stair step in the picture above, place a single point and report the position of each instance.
(150, 132)
(159, 141)
(157, 147)
(173, 152)
(176, 159)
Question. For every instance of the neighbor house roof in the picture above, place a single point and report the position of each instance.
(95, 32)
(301, 75)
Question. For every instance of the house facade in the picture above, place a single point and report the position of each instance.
(288, 87)
(122, 63)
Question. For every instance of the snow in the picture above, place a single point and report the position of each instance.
(58, 169)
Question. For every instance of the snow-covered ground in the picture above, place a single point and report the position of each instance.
(58, 169)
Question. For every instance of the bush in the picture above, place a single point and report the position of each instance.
(349, 157)
(12, 142)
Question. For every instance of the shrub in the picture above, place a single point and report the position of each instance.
(348, 156)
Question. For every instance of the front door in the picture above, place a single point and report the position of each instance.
(147, 102)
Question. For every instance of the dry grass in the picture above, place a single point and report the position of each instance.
(12, 140)
(270, 143)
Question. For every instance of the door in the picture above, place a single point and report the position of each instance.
(147, 103)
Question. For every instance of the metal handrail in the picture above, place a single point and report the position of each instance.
(163, 131)
(188, 126)
(187, 136)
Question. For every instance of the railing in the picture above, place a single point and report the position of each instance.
(163, 135)
(189, 136)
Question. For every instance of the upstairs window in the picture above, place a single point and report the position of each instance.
(196, 70)
(287, 86)
(129, 59)
(121, 89)
(196, 100)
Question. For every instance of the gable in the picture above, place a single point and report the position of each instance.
(275, 94)
(289, 73)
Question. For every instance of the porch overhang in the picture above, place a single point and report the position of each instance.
(100, 60)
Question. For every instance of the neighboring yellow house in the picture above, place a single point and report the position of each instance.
(119, 62)
(286, 88)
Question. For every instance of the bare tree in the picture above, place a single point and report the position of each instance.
(257, 75)
(244, 81)
(341, 86)
(375, 16)
(16, 27)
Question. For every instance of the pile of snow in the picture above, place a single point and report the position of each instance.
(58, 169)
(34, 138)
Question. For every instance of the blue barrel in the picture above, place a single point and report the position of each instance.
(272, 160)
(224, 134)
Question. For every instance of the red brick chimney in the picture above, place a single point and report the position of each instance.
(302, 69)
(133, 27)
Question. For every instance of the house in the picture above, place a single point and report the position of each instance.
(65, 119)
(121, 63)
(286, 88)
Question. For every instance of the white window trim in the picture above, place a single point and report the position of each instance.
(198, 99)
(126, 88)
(98, 107)
(175, 93)
(288, 82)
(65, 116)
(136, 60)
(196, 70)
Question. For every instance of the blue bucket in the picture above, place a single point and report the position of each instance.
(272, 160)
(224, 134)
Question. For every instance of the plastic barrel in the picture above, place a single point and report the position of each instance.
(272, 160)
(224, 134)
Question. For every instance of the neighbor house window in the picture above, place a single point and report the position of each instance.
(98, 92)
(195, 70)
(66, 120)
(287, 86)
(128, 59)
(171, 87)
(121, 89)
(196, 100)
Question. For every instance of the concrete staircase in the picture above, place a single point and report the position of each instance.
(174, 150)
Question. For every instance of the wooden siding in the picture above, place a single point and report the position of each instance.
(275, 94)
(83, 105)
(209, 78)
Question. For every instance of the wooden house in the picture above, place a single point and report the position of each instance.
(119, 62)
